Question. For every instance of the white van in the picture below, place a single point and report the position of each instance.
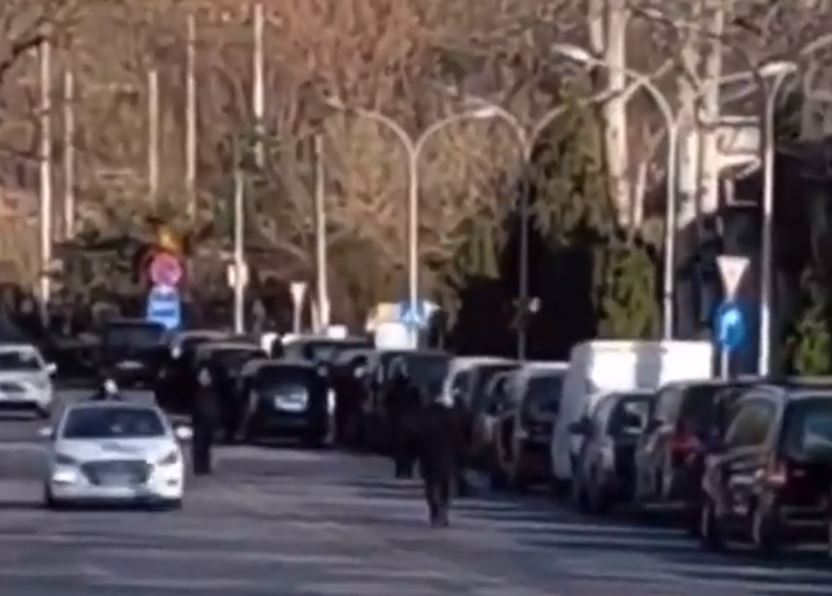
(596, 367)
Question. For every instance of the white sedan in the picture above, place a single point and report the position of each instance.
(114, 452)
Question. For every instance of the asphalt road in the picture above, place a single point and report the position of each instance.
(281, 521)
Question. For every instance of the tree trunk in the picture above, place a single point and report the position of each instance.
(615, 111)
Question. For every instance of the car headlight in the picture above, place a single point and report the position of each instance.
(61, 459)
(170, 459)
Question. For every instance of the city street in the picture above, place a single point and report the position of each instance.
(281, 521)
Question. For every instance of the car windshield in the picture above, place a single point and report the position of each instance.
(324, 351)
(133, 336)
(19, 360)
(543, 394)
(113, 423)
(808, 432)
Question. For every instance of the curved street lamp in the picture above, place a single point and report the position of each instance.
(579, 54)
(414, 150)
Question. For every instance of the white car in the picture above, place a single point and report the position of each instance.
(25, 379)
(114, 452)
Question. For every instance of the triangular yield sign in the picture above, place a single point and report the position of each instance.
(731, 268)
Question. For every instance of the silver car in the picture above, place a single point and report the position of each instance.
(25, 380)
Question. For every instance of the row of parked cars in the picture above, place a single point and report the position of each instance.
(744, 459)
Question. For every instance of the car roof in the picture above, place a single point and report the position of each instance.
(229, 345)
(17, 347)
(114, 405)
(254, 366)
(133, 322)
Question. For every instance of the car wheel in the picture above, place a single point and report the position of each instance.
(710, 526)
(763, 531)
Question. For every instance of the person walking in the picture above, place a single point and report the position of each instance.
(440, 445)
(204, 415)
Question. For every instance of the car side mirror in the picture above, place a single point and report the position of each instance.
(582, 427)
(51, 368)
(184, 433)
(47, 433)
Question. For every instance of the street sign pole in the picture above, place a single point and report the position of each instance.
(730, 319)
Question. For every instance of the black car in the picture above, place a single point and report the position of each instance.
(605, 471)
(682, 419)
(770, 477)
(133, 351)
(286, 400)
(225, 360)
(322, 350)
(427, 370)
(177, 380)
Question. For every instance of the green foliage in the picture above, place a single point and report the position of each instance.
(811, 343)
(626, 292)
(571, 186)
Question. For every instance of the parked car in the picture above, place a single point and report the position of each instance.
(603, 366)
(427, 369)
(134, 351)
(321, 350)
(670, 452)
(25, 379)
(465, 386)
(605, 471)
(770, 478)
(524, 425)
(225, 360)
(484, 424)
(286, 399)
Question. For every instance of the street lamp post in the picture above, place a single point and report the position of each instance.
(414, 150)
(780, 71)
(671, 122)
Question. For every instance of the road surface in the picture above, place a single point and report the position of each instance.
(284, 522)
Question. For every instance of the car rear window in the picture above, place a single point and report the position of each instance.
(543, 394)
(273, 376)
(133, 336)
(113, 423)
(698, 409)
(808, 430)
(486, 373)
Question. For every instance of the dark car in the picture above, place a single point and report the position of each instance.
(524, 426)
(322, 350)
(682, 419)
(225, 360)
(606, 467)
(427, 370)
(770, 478)
(177, 380)
(133, 351)
(287, 400)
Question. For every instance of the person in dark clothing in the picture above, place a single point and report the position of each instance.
(205, 416)
(403, 400)
(107, 391)
(350, 393)
(440, 445)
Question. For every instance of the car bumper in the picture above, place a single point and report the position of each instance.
(33, 400)
(288, 426)
(70, 485)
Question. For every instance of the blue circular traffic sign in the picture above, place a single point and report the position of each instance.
(731, 328)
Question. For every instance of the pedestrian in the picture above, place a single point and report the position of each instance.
(403, 401)
(351, 391)
(204, 417)
(108, 390)
(440, 444)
